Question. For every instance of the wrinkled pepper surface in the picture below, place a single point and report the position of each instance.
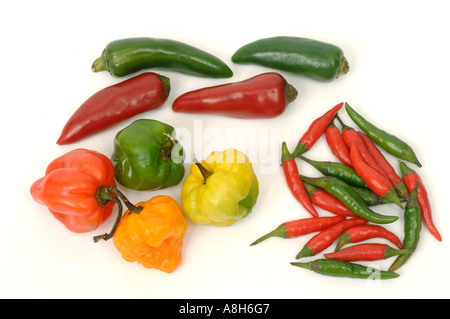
(72, 189)
(221, 189)
(147, 157)
(154, 235)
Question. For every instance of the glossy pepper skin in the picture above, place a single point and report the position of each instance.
(339, 268)
(220, 190)
(147, 157)
(154, 236)
(72, 189)
(311, 58)
(126, 56)
(360, 233)
(263, 96)
(390, 143)
(114, 104)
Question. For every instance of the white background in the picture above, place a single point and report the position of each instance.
(399, 65)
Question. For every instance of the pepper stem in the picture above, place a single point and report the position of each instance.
(343, 67)
(100, 64)
(290, 92)
(203, 170)
(108, 193)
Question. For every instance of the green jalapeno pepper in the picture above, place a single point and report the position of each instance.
(390, 143)
(338, 268)
(346, 194)
(311, 58)
(412, 228)
(126, 56)
(147, 157)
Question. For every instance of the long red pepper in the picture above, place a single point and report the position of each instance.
(374, 180)
(360, 233)
(385, 165)
(294, 181)
(366, 252)
(315, 131)
(300, 227)
(411, 177)
(114, 104)
(328, 202)
(325, 238)
(337, 144)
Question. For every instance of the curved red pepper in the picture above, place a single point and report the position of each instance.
(315, 130)
(114, 104)
(263, 96)
(71, 189)
(294, 181)
(337, 144)
(328, 202)
(360, 233)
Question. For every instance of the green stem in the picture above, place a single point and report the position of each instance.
(100, 64)
(205, 173)
(291, 92)
(343, 67)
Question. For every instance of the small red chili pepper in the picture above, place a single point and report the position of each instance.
(385, 166)
(328, 202)
(114, 104)
(315, 130)
(300, 227)
(263, 96)
(325, 238)
(294, 181)
(366, 252)
(410, 177)
(374, 180)
(360, 233)
(337, 144)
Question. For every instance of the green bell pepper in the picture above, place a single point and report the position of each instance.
(147, 157)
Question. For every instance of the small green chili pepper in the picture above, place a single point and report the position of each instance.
(126, 56)
(339, 170)
(147, 157)
(350, 198)
(311, 58)
(337, 268)
(412, 228)
(390, 143)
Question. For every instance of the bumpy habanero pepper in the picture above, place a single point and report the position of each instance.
(75, 189)
(126, 56)
(263, 96)
(152, 236)
(221, 189)
(114, 104)
(311, 58)
(147, 157)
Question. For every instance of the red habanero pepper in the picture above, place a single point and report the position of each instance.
(385, 166)
(294, 181)
(315, 130)
(337, 144)
(410, 177)
(328, 202)
(114, 104)
(76, 189)
(300, 227)
(360, 233)
(366, 252)
(263, 96)
(325, 238)
(374, 180)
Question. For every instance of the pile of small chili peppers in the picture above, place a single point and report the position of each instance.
(348, 188)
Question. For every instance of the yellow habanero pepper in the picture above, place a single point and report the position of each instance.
(154, 235)
(220, 190)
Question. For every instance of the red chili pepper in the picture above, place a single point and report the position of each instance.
(366, 252)
(325, 238)
(360, 233)
(294, 181)
(337, 144)
(410, 177)
(315, 130)
(374, 180)
(326, 201)
(300, 227)
(263, 96)
(385, 165)
(114, 104)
